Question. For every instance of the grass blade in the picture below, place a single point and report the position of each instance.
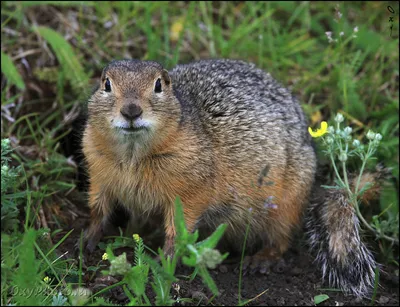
(10, 71)
(66, 56)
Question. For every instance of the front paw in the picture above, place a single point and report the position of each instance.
(169, 247)
(86, 246)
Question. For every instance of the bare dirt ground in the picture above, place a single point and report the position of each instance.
(296, 285)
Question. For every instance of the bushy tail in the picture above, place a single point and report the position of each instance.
(333, 232)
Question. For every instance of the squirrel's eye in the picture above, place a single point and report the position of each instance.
(157, 87)
(107, 87)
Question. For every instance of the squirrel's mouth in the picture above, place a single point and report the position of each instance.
(131, 129)
(136, 126)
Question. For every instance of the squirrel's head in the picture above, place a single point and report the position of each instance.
(135, 100)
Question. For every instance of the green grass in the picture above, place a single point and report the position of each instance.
(53, 52)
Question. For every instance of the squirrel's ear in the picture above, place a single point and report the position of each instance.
(166, 77)
(103, 75)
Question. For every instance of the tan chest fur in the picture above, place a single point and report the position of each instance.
(138, 186)
(150, 184)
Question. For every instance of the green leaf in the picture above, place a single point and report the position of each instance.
(376, 284)
(137, 279)
(320, 298)
(207, 279)
(189, 261)
(179, 217)
(10, 71)
(66, 56)
(212, 241)
(92, 268)
(59, 300)
(26, 275)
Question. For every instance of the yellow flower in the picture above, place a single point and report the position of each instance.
(319, 132)
(47, 279)
(136, 237)
(176, 29)
(105, 256)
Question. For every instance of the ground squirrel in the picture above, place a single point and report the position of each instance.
(228, 139)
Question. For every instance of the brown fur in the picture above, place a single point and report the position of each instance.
(174, 159)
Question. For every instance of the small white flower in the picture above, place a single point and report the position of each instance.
(329, 140)
(329, 36)
(348, 130)
(341, 33)
(378, 137)
(108, 24)
(331, 130)
(370, 135)
(339, 15)
(355, 29)
(343, 156)
(356, 143)
(339, 118)
(203, 27)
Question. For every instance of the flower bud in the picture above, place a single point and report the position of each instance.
(370, 135)
(136, 237)
(348, 130)
(378, 137)
(339, 118)
(331, 130)
(329, 140)
(119, 265)
(356, 143)
(343, 156)
(210, 258)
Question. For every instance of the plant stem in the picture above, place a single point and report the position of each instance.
(393, 240)
(346, 180)
(362, 168)
(335, 168)
(354, 200)
(241, 262)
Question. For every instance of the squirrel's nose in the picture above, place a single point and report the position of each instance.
(131, 111)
